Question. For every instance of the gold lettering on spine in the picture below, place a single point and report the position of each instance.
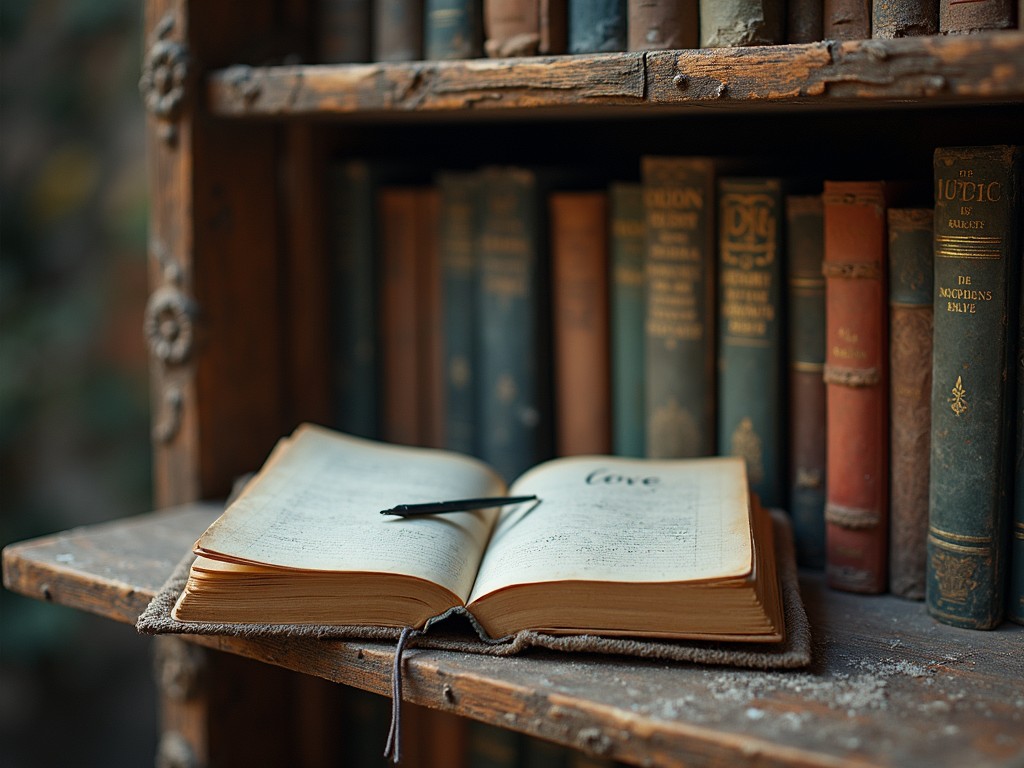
(673, 271)
(748, 245)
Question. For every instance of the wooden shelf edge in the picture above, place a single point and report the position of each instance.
(889, 686)
(986, 68)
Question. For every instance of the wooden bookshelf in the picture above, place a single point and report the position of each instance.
(888, 685)
(238, 324)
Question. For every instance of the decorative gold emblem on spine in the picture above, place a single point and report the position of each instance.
(954, 576)
(958, 402)
(747, 444)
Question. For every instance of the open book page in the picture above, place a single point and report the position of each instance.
(622, 520)
(316, 505)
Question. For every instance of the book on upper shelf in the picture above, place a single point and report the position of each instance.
(846, 19)
(524, 27)
(977, 255)
(964, 18)
(596, 26)
(736, 23)
(657, 25)
(452, 29)
(891, 19)
(612, 546)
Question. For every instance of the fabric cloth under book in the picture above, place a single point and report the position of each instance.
(457, 631)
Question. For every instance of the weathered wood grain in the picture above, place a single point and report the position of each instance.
(965, 69)
(889, 686)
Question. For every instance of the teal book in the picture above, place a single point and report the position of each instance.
(596, 26)
(805, 251)
(452, 29)
(679, 269)
(514, 353)
(977, 254)
(751, 331)
(352, 245)
(627, 244)
(458, 255)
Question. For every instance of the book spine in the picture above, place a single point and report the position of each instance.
(911, 268)
(655, 25)
(353, 243)
(458, 232)
(399, 300)
(430, 324)
(960, 18)
(597, 25)
(579, 270)
(397, 30)
(524, 27)
(750, 337)
(803, 21)
(976, 262)
(679, 263)
(514, 344)
(735, 23)
(453, 29)
(856, 368)
(847, 19)
(806, 320)
(627, 318)
(343, 31)
(891, 19)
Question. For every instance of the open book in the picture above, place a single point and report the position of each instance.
(613, 546)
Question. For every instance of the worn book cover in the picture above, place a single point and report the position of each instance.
(911, 277)
(679, 267)
(960, 18)
(751, 331)
(524, 27)
(597, 25)
(655, 25)
(733, 23)
(453, 29)
(579, 277)
(856, 376)
(847, 19)
(977, 262)
(805, 300)
(891, 19)
(397, 30)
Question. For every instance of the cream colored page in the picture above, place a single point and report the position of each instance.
(614, 519)
(319, 509)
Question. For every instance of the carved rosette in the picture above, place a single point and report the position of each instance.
(164, 80)
(169, 325)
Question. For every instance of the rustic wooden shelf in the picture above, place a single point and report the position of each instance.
(889, 686)
(935, 70)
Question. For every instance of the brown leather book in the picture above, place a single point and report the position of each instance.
(856, 377)
(911, 272)
(397, 30)
(399, 313)
(904, 18)
(431, 383)
(654, 25)
(959, 18)
(803, 21)
(524, 27)
(579, 252)
(847, 19)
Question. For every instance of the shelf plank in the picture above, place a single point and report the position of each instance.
(889, 686)
(985, 68)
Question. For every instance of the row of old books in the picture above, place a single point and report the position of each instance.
(410, 30)
(519, 313)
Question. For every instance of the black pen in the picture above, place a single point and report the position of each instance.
(458, 505)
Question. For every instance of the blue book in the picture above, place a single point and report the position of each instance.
(627, 318)
(597, 25)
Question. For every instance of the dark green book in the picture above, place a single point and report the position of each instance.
(453, 29)
(458, 234)
(627, 244)
(751, 402)
(805, 251)
(352, 243)
(597, 25)
(679, 266)
(976, 262)
(514, 405)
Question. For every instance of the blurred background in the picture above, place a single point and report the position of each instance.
(74, 420)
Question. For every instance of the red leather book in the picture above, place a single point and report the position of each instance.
(579, 262)
(856, 377)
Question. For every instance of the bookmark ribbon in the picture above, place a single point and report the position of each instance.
(392, 749)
